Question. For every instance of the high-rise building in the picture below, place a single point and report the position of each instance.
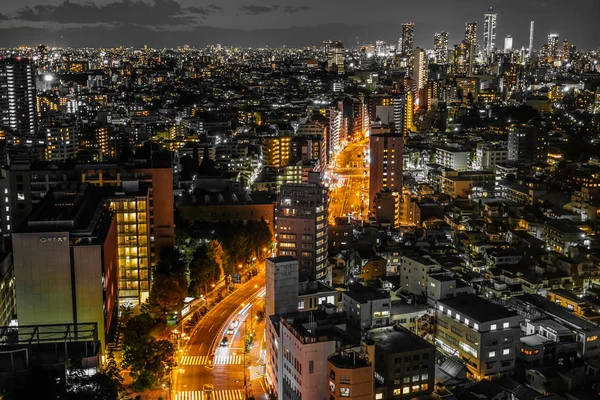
(527, 145)
(531, 31)
(508, 44)
(462, 58)
(18, 96)
(408, 39)
(489, 31)
(471, 33)
(335, 56)
(440, 43)
(553, 51)
(403, 105)
(566, 51)
(66, 262)
(420, 70)
(302, 226)
(386, 153)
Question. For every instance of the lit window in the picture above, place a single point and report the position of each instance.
(505, 325)
(441, 307)
(506, 352)
(493, 327)
(20, 196)
(405, 390)
(492, 354)
(476, 326)
(424, 386)
(416, 388)
(424, 377)
(344, 392)
(466, 321)
(378, 396)
(415, 378)
(457, 316)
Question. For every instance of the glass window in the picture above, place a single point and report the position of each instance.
(506, 352)
(493, 327)
(492, 354)
(345, 392)
(476, 326)
(505, 325)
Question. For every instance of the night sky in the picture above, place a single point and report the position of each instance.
(285, 22)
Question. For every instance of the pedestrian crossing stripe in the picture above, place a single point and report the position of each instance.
(218, 360)
(214, 395)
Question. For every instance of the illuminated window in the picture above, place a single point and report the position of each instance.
(492, 354)
(405, 390)
(505, 352)
(505, 325)
(416, 388)
(493, 327)
(378, 396)
(424, 386)
(344, 392)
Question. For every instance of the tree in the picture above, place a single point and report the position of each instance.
(202, 271)
(215, 251)
(149, 359)
(168, 293)
(171, 263)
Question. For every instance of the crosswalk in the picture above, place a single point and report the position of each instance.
(203, 360)
(215, 395)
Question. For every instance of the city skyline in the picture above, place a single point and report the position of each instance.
(167, 23)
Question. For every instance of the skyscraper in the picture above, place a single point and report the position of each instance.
(489, 31)
(566, 51)
(471, 32)
(18, 96)
(386, 163)
(462, 58)
(302, 226)
(553, 46)
(408, 39)
(531, 29)
(508, 44)
(440, 44)
(419, 73)
(335, 56)
(403, 113)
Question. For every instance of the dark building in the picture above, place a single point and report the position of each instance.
(404, 363)
(527, 145)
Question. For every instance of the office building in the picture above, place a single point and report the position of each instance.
(462, 58)
(471, 33)
(386, 162)
(553, 52)
(302, 226)
(65, 259)
(481, 333)
(531, 31)
(454, 158)
(367, 309)
(408, 39)
(282, 285)
(508, 44)
(404, 363)
(440, 45)
(18, 103)
(8, 308)
(336, 56)
(420, 71)
(489, 32)
(527, 145)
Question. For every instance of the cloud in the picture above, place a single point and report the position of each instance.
(258, 10)
(136, 12)
(295, 9)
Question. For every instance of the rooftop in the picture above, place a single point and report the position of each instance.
(349, 360)
(477, 308)
(398, 340)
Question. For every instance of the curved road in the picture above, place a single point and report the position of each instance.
(227, 375)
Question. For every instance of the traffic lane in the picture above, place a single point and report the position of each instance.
(202, 337)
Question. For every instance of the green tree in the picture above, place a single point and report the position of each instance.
(202, 272)
(216, 252)
(168, 293)
(148, 359)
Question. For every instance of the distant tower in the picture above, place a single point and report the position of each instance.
(553, 46)
(408, 39)
(419, 73)
(489, 31)
(508, 44)
(531, 26)
(566, 52)
(335, 56)
(440, 43)
(18, 102)
(471, 33)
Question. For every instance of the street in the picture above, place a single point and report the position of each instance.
(202, 376)
(350, 183)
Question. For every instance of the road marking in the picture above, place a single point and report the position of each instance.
(223, 360)
(215, 395)
(219, 360)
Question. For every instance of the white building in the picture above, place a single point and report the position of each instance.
(453, 158)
